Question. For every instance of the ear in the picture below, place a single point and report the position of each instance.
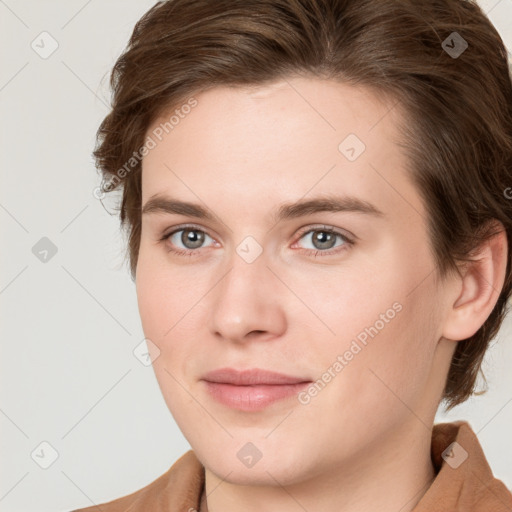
(478, 289)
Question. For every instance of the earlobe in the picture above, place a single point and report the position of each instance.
(482, 282)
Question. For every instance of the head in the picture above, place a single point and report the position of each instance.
(248, 109)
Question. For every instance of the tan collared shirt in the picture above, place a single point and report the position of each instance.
(464, 481)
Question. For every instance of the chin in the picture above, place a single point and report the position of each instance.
(264, 471)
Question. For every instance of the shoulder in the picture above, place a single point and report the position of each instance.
(179, 488)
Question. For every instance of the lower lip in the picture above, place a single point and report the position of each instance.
(252, 398)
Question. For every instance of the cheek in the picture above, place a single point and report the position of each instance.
(382, 382)
(397, 361)
(156, 297)
(385, 332)
(162, 310)
(159, 287)
(151, 306)
(168, 305)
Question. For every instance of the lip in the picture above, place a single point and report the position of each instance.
(253, 389)
(251, 377)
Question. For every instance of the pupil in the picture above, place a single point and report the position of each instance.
(189, 235)
(327, 236)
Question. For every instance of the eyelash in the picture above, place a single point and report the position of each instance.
(326, 229)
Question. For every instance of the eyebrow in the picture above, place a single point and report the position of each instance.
(287, 211)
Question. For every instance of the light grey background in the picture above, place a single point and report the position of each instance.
(70, 325)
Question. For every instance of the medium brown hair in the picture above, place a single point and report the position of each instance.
(458, 129)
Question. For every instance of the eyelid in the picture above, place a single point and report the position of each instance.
(341, 232)
(184, 226)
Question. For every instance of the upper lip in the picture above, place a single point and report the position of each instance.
(252, 376)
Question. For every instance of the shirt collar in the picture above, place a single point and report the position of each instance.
(464, 480)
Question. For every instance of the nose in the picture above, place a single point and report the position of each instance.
(248, 302)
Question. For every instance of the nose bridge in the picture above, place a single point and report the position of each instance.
(248, 267)
(244, 286)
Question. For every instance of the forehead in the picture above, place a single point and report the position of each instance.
(280, 142)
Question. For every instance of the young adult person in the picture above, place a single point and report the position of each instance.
(315, 193)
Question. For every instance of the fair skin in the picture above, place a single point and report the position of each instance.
(362, 443)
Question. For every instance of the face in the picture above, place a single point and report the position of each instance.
(340, 296)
